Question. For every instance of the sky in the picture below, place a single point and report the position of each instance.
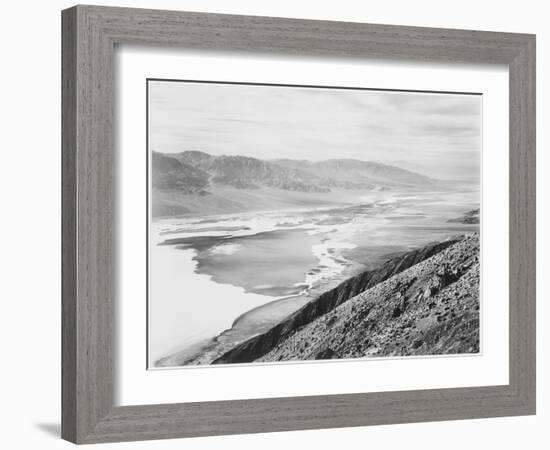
(438, 135)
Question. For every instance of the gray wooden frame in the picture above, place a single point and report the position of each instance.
(89, 36)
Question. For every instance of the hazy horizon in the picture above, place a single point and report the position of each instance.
(438, 135)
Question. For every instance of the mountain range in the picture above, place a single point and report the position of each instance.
(178, 179)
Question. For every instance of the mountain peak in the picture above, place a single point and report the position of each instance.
(246, 172)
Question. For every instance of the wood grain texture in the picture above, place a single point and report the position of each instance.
(89, 36)
(68, 225)
(522, 224)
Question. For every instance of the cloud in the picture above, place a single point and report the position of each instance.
(439, 132)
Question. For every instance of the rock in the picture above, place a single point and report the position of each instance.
(396, 312)
(325, 354)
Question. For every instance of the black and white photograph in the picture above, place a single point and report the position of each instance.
(272, 225)
(300, 223)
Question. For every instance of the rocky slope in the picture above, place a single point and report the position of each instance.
(430, 308)
(325, 304)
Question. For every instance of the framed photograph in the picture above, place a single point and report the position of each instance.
(278, 224)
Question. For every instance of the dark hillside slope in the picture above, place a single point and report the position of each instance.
(431, 308)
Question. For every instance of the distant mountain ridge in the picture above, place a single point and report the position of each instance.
(244, 172)
(193, 171)
(195, 182)
(360, 173)
(171, 174)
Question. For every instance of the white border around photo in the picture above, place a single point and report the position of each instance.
(136, 385)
